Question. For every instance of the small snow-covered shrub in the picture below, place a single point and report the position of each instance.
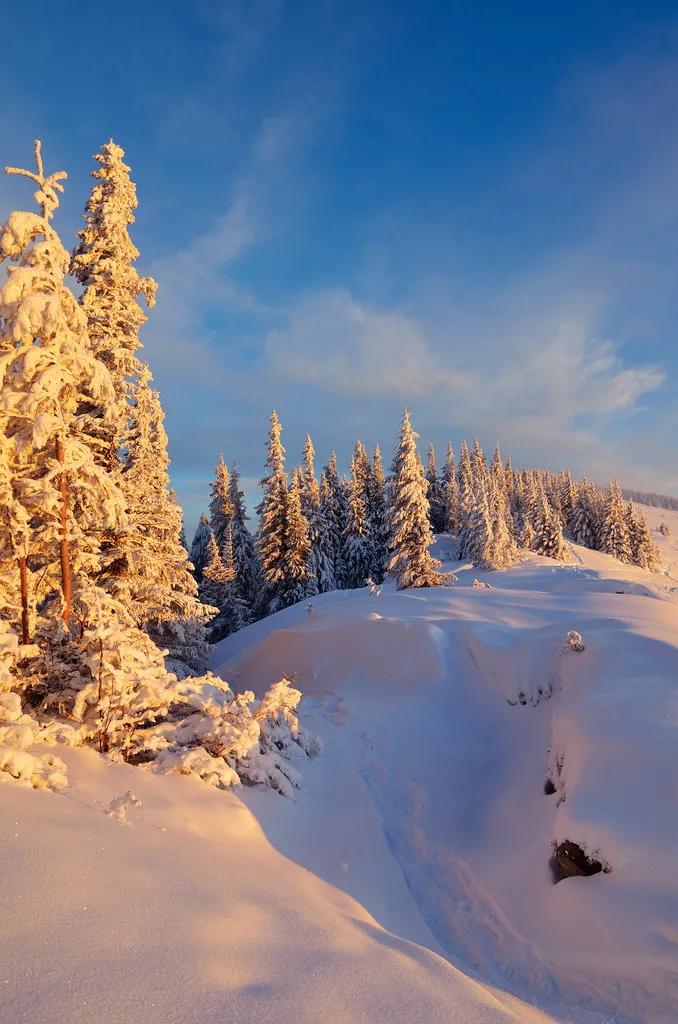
(226, 738)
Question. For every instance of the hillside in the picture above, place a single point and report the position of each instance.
(410, 880)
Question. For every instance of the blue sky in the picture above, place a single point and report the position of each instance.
(471, 208)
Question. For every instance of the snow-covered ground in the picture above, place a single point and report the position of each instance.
(410, 880)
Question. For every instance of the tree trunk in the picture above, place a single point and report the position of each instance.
(23, 577)
(64, 558)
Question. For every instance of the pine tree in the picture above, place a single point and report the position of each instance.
(502, 552)
(585, 523)
(270, 544)
(614, 534)
(310, 497)
(644, 551)
(157, 585)
(435, 493)
(377, 518)
(568, 498)
(357, 553)
(244, 554)
(214, 579)
(338, 519)
(411, 563)
(234, 609)
(298, 582)
(479, 530)
(46, 364)
(199, 553)
(450, 493)
(548, 539)
(103, 261)
(322, 532)
(466, 500)
(221, 506)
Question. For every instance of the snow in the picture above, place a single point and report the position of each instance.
(409, 879)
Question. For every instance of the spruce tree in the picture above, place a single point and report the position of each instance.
(234, 609)
(644, 551)
(585, 523)
(435, 493)
(377, 518)
(272, 510)
(322, 531)
(450, 492)
(221, 506)
(214, 580)
(614, 534)
(357, 553)
(411, 563)
(244, 554)
(298, 582)
(310, 497)
(46, 365)
(103, 261)
(466, 500)
(199, 553)
(548, 539)
(339, 518)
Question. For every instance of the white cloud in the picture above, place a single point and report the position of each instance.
(341, 346)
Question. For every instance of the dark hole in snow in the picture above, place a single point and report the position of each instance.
(549, 788)
(569, 860)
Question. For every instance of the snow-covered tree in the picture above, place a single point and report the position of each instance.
(221, 506)
(103, 261)
(357, 550)
(338, 518)
(435, 493)
(644, 551)
(244, 555)
(377, 518)
(568, 499)
(548, 532)
(156, 584)
(298, 582)
(410, 536)
(450, 489)
(270, 544)
(614, 534)
(585, 523)
(214, 578)
(219, 588)
(322, 538)
(310, 497)
(46, 365)
(199, 553)
(466, 499)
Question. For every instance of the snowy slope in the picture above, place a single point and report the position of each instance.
(409, 881)
(415, 687)
(186, 912)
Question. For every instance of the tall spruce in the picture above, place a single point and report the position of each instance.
(270, 544)
(221, 505)
(103, 261)
(614, 534)
(410, 536)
